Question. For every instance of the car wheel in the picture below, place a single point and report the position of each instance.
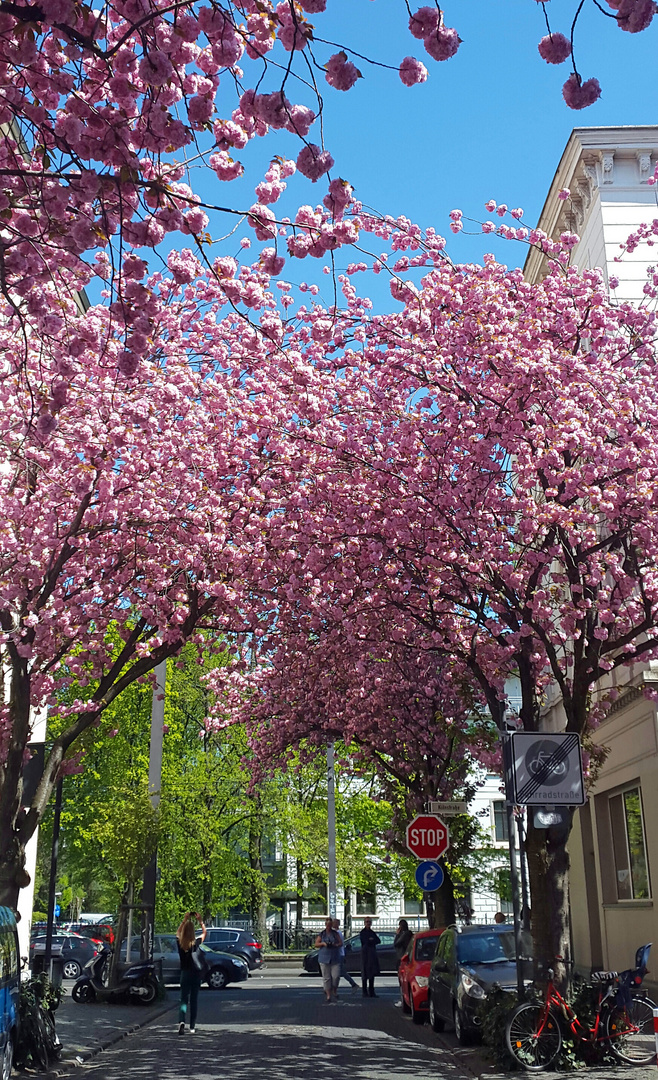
(7, 1058)
(71, 969)
(416, 1016)
(405, 1007)
(460, 1031)
(217, 979)
(436, 1023)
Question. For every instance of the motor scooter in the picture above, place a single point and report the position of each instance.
(137, 983)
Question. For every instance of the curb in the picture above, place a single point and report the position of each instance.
(66, 1066)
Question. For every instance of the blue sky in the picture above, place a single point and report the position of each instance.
(489, 123)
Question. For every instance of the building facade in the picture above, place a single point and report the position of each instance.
(613, 845)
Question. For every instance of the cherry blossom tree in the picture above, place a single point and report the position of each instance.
(484, 490)
(413, 721)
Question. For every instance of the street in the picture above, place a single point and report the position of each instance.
(276, 1025)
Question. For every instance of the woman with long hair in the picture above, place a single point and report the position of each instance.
(190, 976)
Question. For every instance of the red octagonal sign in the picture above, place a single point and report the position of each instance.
(427, 837)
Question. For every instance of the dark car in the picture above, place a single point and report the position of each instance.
(222, 968)
(465, 967)
(238, 942)
(386, 954)
(74, 950)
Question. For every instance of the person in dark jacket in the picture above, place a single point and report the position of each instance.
(369, 958)
(190, 976)
(402, 939)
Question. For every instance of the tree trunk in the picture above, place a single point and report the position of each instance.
(122, 922)
(441, 903)
(299, 887)
(548, 870)
(258, 892)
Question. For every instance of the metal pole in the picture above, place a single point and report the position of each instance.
(331, 815)
(513, 868)
(47, 958)
(525, 892)
(155, 783)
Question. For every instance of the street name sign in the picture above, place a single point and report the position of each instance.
(448, 809)
(547, 769)
(429, 876)
(427, 837)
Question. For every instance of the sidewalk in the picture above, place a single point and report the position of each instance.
(85, 1030)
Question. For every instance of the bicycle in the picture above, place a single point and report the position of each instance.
(38, 1041)
(623, 1020)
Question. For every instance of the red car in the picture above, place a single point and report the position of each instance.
(414, 973)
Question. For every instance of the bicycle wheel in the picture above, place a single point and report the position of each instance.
(533, 1036)
(629, 1030)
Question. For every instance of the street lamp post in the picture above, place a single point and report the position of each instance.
(331, 823)
(155, 783)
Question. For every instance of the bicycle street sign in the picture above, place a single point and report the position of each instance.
(547, 769)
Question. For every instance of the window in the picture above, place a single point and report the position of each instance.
(365, 901)
(317, 905)
(501, 832)
(504, 890)
(412, 905)
(629, 846)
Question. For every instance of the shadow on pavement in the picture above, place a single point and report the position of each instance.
(280, 1050)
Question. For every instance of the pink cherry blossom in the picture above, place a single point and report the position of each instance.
(579, 94)
(340, 72)
(412, 71)
(424, 22)
(314, 162)
(442, 43)
(554, 48)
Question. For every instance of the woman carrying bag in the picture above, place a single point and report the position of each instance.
(191, 969)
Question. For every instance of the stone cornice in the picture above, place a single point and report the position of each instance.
(588, 169)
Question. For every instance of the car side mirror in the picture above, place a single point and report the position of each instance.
(348, 947)
(440, 965)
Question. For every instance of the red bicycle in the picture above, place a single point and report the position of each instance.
(623, 1019)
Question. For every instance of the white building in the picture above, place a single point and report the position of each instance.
(607, 170)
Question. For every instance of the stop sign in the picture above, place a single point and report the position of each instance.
(427, 837)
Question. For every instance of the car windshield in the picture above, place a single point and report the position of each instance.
(426, 947)
(490, 948)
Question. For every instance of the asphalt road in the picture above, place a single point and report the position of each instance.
(277, 1027)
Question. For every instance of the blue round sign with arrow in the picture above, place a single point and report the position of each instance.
(429, 876)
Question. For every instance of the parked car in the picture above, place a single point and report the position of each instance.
(465, 966)
(74, 950)
(237, 942)
(223, 968)
(95, 931)
(388, 960)
(10, 980)
(414, 973)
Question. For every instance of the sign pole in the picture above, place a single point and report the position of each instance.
(513, 868)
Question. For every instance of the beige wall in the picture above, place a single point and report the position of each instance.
(607, 931)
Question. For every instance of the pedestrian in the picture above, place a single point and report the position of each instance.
(402, 939)
(344, 973)
(500, 917)
(329, 943)
(190, 974)
(369, 958)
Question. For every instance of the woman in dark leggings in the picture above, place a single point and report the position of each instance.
(369, 958)
(190, 976)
